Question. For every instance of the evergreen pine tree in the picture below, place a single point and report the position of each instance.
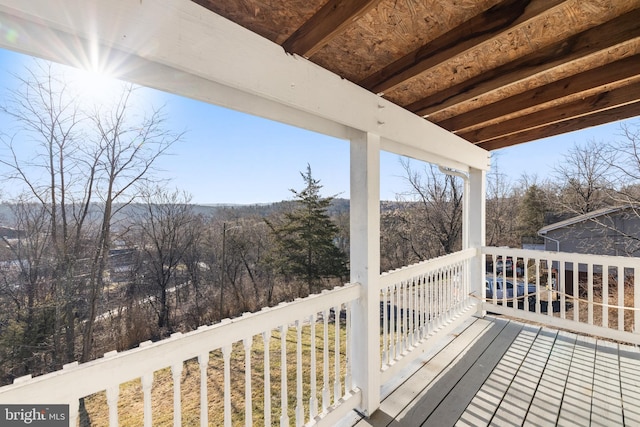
(306, 248)
(531, 212)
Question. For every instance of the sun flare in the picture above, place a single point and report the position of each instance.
(95, 86)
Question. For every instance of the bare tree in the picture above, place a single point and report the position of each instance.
(27, 286)
(81, 163)
(625, 161)
(501, 209)
(167, 230)
(127, 147)
(584, 176)
(623, 157)
(439, 216)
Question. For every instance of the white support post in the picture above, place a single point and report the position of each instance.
(365, 267)
(476, 231)
(467, 214)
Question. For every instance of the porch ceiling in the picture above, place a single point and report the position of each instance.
(495, 72)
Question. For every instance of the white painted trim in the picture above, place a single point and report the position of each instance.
(406, 273)
(365, 266)
(178, 43)
(476, 230)
(338, 411)
(631, 262)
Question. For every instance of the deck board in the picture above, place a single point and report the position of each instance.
(525, 381)
(397, 401)
(576, 402)
(504, 373)
(630, 384)
(448, 398)
(605, 403)
(545, 405)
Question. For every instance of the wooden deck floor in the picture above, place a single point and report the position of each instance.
(504, 373)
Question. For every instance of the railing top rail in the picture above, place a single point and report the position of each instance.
(117, 368)
(407, 272)
(564, 256)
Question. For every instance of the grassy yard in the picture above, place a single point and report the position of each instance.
(130, 406)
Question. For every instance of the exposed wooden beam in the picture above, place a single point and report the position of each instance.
(623, 29)
(608, 74)
(328, 22)
(482, 27)
(557, 128)
(241, 67)
(602, 101)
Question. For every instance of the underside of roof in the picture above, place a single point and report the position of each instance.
(495, 72)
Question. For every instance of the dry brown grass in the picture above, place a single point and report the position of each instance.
(130, 406)
(598, 310)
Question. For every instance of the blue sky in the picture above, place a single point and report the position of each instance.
(230, 157)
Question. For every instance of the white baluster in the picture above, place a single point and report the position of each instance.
(74, 412)
(590, 293)
(636, 300)
(348, 343)
(248, 408)
(284, 407)
(313, 400)
(448, 294)
(325, 362)
(203, 362)
(337, 385)
(549, 287)
(385, 325)
(112, 402)
(421, 312)
(392, 322)
(226, 356)
(605, 296)
(299, 404)
(284, 415)
(147, 383)
(536, 273)
(176, 371)
(411, 311)
(428, 302)
(576, 292)
(403, 286)
(620, 276)
(266, 338)
(562, 287)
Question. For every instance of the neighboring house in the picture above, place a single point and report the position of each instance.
(607, 231)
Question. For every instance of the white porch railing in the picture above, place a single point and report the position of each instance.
(591, 294)
(419, 300)
(305, 376)
(298, 385)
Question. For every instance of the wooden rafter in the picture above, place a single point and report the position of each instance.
(613, 98)
(611, 75)
(333, 17)
(500, 18)
(602, 37)
(564, 126)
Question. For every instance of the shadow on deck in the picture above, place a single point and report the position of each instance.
(502, 372)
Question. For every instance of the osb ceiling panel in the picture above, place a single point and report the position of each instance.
(272, 19)
(497, 72)
(391, 31)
